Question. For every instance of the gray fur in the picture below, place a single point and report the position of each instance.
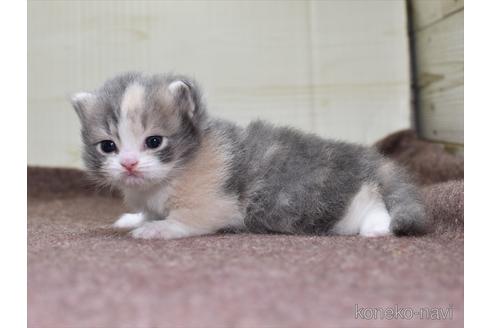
(286, 181)
(318, 177)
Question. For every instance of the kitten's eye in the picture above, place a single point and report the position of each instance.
(107, 146)
(153, 142)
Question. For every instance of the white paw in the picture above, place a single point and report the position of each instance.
(376, 232)
(129, 221)
(164, 229)
(376, 225)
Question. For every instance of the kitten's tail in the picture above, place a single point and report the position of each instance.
(403, 202)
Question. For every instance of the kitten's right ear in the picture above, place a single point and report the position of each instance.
(83, 102)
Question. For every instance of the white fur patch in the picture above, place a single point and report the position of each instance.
(376, 223)
(366, 215)
(149, 167)
(129, 221)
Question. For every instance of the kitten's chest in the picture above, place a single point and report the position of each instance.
(153, 202)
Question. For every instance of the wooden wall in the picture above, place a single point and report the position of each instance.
(438, 32)
(337, 68)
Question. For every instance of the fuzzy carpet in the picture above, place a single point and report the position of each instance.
(83, 274)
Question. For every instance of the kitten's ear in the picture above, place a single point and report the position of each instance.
(83, 102)
(183, 97)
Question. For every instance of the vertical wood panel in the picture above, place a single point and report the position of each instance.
(427, 12)
(440, 65)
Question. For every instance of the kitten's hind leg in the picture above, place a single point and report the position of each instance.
(366, 215)
(404, 203)
(377, 222)
(129, 221)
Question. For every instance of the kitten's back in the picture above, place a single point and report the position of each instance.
(295, 182)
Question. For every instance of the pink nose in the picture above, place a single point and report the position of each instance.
(129, 164)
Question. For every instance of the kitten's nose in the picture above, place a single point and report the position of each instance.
(129, 164)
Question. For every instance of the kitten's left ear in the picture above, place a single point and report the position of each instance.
(183, 96)
(83, 102)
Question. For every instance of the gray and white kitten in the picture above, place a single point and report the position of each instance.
(187, 174)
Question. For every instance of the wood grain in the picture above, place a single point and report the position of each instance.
(427, 12)
(440, 65)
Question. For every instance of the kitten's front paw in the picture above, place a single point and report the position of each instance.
(129, 221)
(165, 229)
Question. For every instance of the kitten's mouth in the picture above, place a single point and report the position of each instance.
(132, 178)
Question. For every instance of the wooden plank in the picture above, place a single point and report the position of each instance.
(440, 52)
(441, 116)
(427, 12)
(440, 62)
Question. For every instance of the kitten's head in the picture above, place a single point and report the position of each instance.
(138, 130)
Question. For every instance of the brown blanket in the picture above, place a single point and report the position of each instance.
(81, 273)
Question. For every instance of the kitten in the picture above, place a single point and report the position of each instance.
(187, 174)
